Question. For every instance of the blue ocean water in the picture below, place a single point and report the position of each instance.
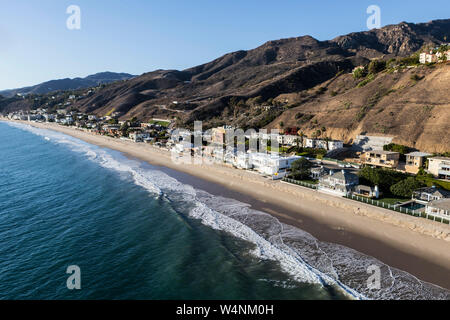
(137, 233)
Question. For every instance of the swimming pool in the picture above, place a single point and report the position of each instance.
(413, 205)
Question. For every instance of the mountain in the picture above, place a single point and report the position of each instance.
(68, 84)
(303, 82)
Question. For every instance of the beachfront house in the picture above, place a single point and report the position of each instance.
(137, 136)
(33, 117)
(415, 161)
(380, 158)
(49, 117)
(439, 167)
(111, 128)
(367, 191)
(183, 147)
(339, 183)
(428, 194)
(317, 172)
(243, 161)
(218, 135)
(438, 209)
(272, 165)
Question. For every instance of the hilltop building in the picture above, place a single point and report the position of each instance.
(415, 161)
(439, 167)
(381, 158)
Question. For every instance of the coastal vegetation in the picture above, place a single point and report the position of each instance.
(406, 187)
(301, 169)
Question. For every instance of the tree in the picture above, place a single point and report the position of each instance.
(381, 177)
(318, 133)
(302, 137)
(124, 129)
(406, 187)
(359, 72)
(396, 148)
(301, 169)
(134, 122)
(376, 66)
(327, 140)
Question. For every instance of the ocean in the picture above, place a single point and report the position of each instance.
(136, 232)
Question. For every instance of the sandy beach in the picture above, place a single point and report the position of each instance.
(418, 246)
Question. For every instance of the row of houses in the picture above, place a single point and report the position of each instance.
(219, 135)
(271, 165)
(437, 166)
(435, 201)
(434, 57)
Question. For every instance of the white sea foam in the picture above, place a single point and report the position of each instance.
(299, 254)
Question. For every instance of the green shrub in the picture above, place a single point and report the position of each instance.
(321, 90)
(359, 73)
(301, 169)
(368, 79)
(396, 148)
(376, 66)
(409, 61)
(382, 177)
(406, 187)
(416, 77)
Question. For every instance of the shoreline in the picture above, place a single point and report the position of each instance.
(418, 247)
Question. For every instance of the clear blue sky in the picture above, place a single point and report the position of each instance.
(138, 36)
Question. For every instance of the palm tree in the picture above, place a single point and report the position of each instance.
(302, 136)
(327, 139)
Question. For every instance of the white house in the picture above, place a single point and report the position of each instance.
(288, 139)
(271, 164)
(427, 58)
(49, 117)
(367, 191)
(181, 147)
(428, 194)
(323, 144)
(339, 183)
(317, 172)
(243, 161)
(439, 167)
(138, 136)
(439, 208)
(335, 144)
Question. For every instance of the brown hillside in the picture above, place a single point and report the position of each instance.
(415, 112)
